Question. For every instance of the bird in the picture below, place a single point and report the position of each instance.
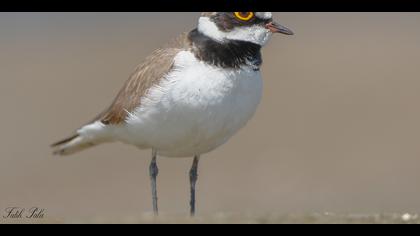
(188, 97)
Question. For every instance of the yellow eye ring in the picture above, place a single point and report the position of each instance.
(245, 16)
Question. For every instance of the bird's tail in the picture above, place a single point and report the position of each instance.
(71, 145)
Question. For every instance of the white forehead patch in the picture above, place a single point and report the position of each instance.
(264, 15)
(255, 34)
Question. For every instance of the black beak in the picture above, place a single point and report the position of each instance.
(277, 28)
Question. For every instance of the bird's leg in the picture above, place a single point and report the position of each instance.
(193, 180)
(153, 170)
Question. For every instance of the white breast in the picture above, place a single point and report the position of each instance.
(195, 109)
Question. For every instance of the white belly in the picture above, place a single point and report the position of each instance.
(194, 110)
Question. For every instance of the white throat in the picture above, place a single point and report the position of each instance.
(255, 34)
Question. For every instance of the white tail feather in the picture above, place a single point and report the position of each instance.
(72, 146)
(86, 137)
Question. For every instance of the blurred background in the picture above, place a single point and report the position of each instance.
(337, 130)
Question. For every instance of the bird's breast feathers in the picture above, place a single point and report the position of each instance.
(195, 108)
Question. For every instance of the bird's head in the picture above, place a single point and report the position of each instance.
(255, 27)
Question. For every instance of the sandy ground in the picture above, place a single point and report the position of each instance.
(232, 218)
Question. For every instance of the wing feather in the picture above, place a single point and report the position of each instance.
(145, 76)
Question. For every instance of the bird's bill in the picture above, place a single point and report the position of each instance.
(277, 28)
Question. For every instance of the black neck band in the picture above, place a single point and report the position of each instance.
(229, 54)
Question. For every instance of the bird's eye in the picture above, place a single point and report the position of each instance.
(245, 16)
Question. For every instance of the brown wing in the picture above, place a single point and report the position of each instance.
(146, 75)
